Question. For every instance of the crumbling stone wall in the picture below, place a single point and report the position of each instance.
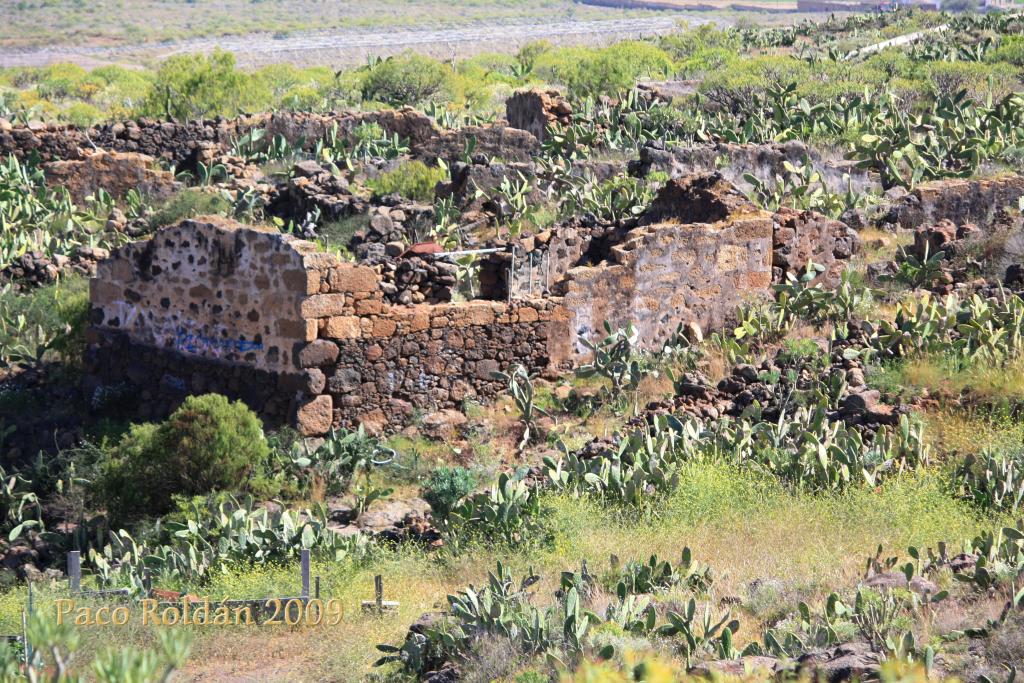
(184, 144)
(217, 289)
(213, 305)
(114, 172)
(762, 161)
(705, 249)
(536, 262)
(535, 110)
(802, 236)
(958, 200)
(547, 257)
(170, 141)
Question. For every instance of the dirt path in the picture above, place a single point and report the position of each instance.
(349, 46)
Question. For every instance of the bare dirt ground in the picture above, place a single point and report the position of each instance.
(340, 47)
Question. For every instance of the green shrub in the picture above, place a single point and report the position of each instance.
(446, 486)
(208, 444)
(1010, 50)
(196, 86)
(405, 79)
(412, 180)
(687, 43)
(189, 203)
(607, 71)
(704, 61)
(978, 79)
(81, 114)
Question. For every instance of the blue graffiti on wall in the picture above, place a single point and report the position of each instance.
(199, 343)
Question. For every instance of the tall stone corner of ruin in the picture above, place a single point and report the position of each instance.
(699, 250)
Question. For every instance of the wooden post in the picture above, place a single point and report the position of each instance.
(305, 574)
(378, 605)
(316, 594)
(75, 570)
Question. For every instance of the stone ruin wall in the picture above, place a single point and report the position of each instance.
(764, 161)
(183, 144)
(304, 338)
(958, 200)
(219, 290)
(212, 305)
(666, 274)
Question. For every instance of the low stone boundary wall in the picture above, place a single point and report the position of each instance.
(764, 161)
(183, 144)
(960, 201)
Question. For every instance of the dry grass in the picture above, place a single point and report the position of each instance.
(963, 432)
(744, 526)
(981, 382)
(118, 22)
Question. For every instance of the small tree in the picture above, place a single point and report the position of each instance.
(195, 86)
(406, 79)
(208, 444)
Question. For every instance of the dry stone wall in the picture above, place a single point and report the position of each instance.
(184, 144)
(213, 305)
(418, 357)
(764, 161)
(675, 270)
(975, 201)
(114, 172)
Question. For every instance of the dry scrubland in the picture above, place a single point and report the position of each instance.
(113, 22)
(830, 469)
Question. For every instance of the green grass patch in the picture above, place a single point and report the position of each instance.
(412, 180)
(190, 203)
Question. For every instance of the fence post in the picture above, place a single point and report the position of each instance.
(75, 570)
(530, 293)
(305, 574)
(27, 651)
(512, 274)
(378, 588)
(316, 588)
